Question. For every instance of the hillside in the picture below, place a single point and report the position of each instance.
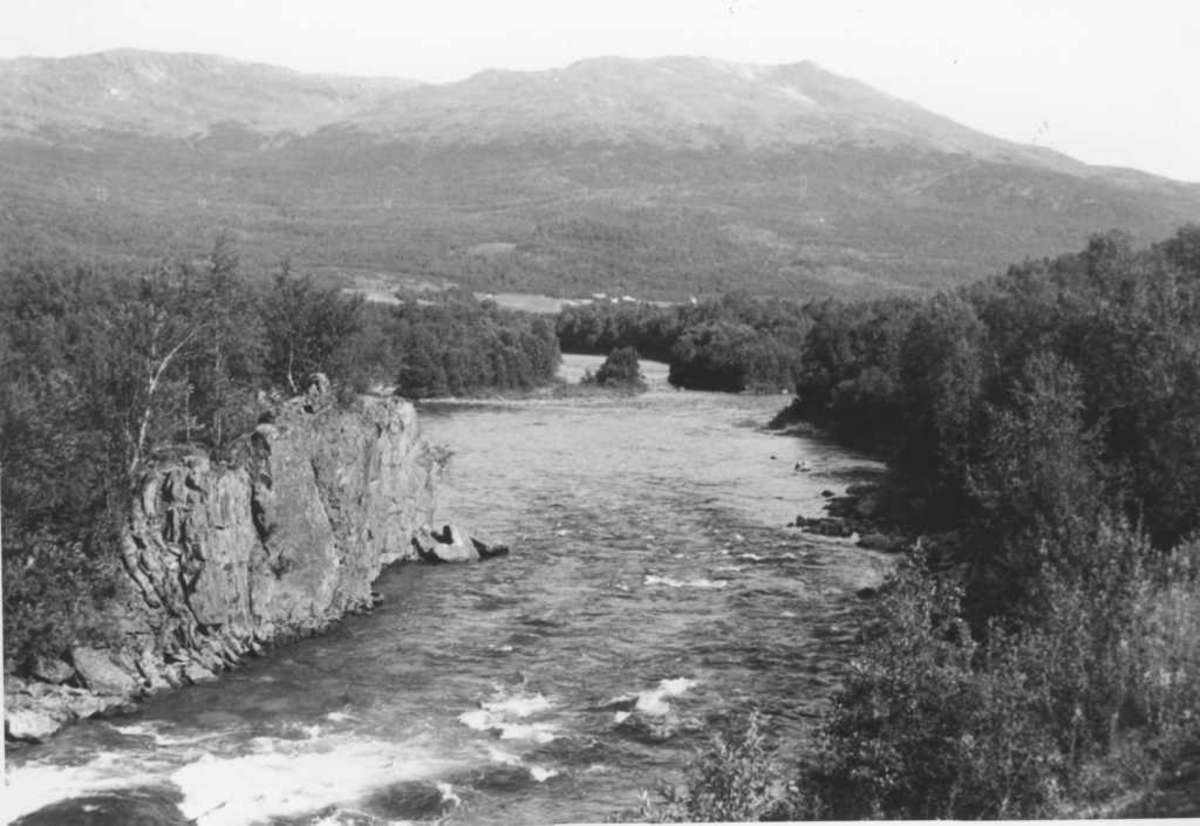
(178, 95)
(663, 177)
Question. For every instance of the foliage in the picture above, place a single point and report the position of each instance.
(918, 732)
(310, 330)
(737, 777)
(461, 346)
(927, 383)
(731, 344)
(620, 369)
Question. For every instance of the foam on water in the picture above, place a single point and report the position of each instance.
(287, 781)
(503, 715)
(542, 775)
(166, 736)
(654, 702)
(33, 786)
(504, 758)
(653, 579)
(519, 705)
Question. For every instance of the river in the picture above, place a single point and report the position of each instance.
(651, 593)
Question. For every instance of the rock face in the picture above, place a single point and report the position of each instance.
(285, 538)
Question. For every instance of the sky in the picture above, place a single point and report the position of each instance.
(1105, 82)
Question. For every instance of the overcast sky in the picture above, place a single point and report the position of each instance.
(1109, 83)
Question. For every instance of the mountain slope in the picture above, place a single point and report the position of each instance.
(681, 103)
(174, 94)
(663, 177)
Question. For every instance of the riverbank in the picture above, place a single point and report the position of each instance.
(876, 509)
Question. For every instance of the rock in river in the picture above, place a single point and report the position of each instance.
(453, 544)
(99, 673)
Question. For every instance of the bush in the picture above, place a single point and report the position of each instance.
(735, 778)
(1031, 719)
(918, 732)
(55, 597)
(621, 368)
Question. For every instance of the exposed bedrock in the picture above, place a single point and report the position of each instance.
(223, 558)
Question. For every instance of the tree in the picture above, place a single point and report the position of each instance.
(308, 330)
(942, 373)
(621, 368)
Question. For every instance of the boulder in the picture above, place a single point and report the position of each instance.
(486, 551)
(31, 725)
(195, 672)
(151, 673)
(100, 674)
(52, 670)
(452, 544)
(35, 710)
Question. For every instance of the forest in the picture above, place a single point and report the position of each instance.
(730, 343)
(104, 368)
(1037, 654)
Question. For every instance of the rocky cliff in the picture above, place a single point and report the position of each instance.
(223, 558)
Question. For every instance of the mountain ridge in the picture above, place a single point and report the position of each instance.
(666, 176)
(175, 94)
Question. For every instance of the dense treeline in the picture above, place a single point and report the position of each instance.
(1104, 342)
(620, 369)
(461, 346)
(731, 343)
(101, 370)
(1040, 658)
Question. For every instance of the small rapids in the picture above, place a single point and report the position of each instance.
(651, 593)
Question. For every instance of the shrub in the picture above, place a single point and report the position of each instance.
(54, 597)
(919, 732)
(1030, 719)
(621, 367)
(737, 777)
